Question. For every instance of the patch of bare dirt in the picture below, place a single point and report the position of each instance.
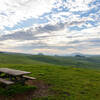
(41, 91)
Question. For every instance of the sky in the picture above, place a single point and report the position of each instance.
(50, 26)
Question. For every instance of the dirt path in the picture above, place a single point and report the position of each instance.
(42, 90)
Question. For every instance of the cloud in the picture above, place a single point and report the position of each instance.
(70, 25)
(31, 33)
(15, 11)
(74, 5)
(53, 38)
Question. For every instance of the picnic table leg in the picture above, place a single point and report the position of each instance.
(22, 80)
(10, 78)
(0, 74)
(18, 79)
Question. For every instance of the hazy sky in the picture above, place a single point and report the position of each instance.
(50, 26)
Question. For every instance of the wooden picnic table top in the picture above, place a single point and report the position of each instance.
(13, 71)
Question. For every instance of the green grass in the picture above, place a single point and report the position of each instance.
(66, 82)
(86, 62)
(81, 62)
(14, 89)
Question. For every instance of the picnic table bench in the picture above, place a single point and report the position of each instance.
(6, 81)
(12, 76)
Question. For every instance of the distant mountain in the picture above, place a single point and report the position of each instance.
(74, 54)
(1, 52)
(81, 54)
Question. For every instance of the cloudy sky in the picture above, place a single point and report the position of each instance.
(50, 26)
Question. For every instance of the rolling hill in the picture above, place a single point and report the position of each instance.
(80, 62)
(62, 78)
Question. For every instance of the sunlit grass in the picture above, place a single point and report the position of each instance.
(66, 82)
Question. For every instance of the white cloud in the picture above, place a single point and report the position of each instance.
(14, 11)
(78, 5)
(53, 36)
(53, 41)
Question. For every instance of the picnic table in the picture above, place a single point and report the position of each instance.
(11, 76)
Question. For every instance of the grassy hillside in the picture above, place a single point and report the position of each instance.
(66, 83)
(64, 80)
(15, 59)
(84, 62)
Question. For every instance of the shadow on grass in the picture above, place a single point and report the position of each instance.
(15, 89)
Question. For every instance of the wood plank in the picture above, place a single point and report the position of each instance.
(13, 71)
(6, 81)
(28, 77)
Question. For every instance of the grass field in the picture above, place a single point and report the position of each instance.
(80, 62)
(66, 81)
